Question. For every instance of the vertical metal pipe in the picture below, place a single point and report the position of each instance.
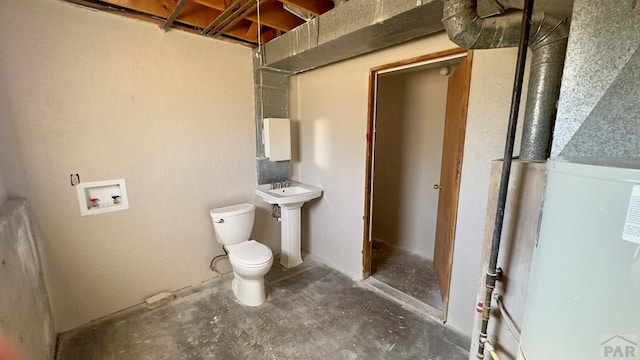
(492, 275)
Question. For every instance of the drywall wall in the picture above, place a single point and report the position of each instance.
(520, 233)
(10, 168)
(11, 164)
(25, 315)
(489, 102)
(598, 109)
(330, 106)
(109, 97)
(409, 135)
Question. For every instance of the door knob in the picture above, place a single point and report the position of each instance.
(437, 186)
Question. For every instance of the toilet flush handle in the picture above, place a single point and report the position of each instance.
(221, 221)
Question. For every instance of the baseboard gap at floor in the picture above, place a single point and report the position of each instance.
(403, 299)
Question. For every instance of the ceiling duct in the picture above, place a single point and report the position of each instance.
(298, 12)
(356, 27)
(548, 44)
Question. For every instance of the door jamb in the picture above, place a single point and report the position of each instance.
(371, 113)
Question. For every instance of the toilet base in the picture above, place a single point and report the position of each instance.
(250, 292)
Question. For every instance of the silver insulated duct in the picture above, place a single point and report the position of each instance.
(548, 44)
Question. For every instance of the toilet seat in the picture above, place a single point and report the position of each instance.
(250, 254)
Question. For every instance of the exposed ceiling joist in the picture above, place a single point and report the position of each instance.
(229, 17)
(216, 18)
(191, 14)
(174, 14)
(272, 14)
(242, 14)
(226, 12)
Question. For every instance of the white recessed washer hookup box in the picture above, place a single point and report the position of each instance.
(99, 197)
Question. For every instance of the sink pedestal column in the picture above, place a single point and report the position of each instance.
(290, 255)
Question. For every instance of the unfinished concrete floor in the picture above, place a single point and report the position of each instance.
(312, 312)
(406, 272)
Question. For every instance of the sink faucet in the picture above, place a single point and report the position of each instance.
(280, 184)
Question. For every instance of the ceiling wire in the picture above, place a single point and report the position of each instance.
(259, 33)
(260, 58)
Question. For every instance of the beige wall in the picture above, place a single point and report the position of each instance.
(11, 164)
(330, 104)
(520, 232)
(409, 134)
(108, 97)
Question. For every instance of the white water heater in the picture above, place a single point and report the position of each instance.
(583, 299)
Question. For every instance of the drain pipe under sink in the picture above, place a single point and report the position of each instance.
(276, 212)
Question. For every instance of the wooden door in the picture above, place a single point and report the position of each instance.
(450, 173)
(373, 76)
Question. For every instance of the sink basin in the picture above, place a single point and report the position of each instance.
(295, 194)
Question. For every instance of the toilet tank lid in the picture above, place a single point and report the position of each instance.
(232, 210)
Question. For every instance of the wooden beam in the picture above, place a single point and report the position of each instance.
(224, 15)
(191, 14)
(202, 16)
(253, 29)
(174, 14)
(236, 18)
(272, 14)
(268, 34)
(197, 15)
(315, 7)
(214, 4)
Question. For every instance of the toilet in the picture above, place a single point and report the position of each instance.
(250, 260)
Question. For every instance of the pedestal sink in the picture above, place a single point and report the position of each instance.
(290, 199)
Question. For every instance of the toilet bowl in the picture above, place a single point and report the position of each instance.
(250, 260)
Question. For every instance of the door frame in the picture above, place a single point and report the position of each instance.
(367, 251)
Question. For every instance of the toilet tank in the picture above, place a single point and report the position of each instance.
(233, 224)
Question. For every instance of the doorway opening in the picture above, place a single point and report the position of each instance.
(417, 121)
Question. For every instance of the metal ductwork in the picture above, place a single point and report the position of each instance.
(548, 44)
(354, 28)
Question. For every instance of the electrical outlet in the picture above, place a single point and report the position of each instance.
(75, 179)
